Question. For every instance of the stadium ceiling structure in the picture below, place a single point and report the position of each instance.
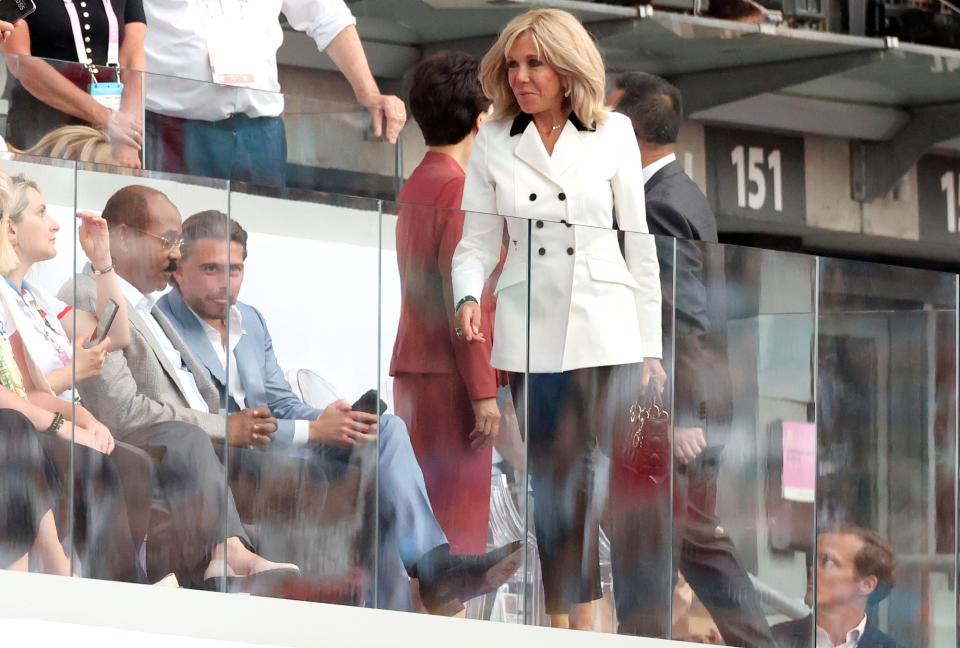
(714, 62)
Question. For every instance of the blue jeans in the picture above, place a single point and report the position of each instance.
(239, 148)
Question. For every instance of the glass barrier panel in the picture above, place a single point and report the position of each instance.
(468, 447)
(743, 416)
(43, 510)
(637, 450)
(305, 317)
(195, 127)
(265, 138)
(887, 473)
(143, 386)
(596, 383)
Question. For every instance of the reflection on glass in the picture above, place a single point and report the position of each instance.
(886, 457)
(724, 312)
(274, 321)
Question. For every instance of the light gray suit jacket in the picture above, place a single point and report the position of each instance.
(138, 387)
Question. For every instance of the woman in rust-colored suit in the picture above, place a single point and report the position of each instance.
(444, 387)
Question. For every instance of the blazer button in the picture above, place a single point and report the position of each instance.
(562, 196)
(570, 251)
(542, 251)
(539, 224)
(533, 197)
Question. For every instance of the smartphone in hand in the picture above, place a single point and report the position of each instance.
(14, 10)
(109, 314)
(370, 404)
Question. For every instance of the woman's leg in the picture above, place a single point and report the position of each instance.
(48, 550)
(560, 466)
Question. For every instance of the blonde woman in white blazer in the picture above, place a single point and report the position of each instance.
(553, 158)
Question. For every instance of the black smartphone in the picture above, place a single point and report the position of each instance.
(103, 326)
(370, 404)
(14, 10)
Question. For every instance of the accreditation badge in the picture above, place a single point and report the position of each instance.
(232, 53)
(107, 94)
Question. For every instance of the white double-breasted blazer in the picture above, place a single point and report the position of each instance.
(588, 305)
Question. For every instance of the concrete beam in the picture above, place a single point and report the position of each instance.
(877, 166)
(709, 88)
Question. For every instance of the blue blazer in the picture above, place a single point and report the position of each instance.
(260, 373)
(799, 634)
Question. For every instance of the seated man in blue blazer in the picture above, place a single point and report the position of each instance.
(198, 307)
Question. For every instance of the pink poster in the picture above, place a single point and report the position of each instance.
(799, 461)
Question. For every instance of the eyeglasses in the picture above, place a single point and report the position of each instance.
(167, 241)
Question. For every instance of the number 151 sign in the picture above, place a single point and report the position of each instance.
(938, 186)
(755, 175)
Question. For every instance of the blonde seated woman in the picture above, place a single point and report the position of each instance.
(29, 495)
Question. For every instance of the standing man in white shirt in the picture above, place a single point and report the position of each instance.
(855, 571)
(236, 132)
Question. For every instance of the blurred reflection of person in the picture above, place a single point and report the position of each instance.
(855, 571)
(444, 387)
(705, 555)
(551, 158)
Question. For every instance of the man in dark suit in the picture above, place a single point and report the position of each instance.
(854, 573)
(693, 289)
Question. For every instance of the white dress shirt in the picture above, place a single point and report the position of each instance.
(177, 49)
(301, 428)
(144, 304)
(651, 169)
(852, 639)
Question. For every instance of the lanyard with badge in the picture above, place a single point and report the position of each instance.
(232, 43)
(105, 94)
(40, 319)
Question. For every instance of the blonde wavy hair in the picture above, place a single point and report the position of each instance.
(564, 44)
(80, 143)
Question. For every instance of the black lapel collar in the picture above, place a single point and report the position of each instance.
(523, 120)
(520, 124)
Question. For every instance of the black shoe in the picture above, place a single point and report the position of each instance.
(447, 581)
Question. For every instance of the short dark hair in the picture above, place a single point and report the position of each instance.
(446, 97)
(130, 206)
(653, 104)
(875, 558)
(211, 224)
